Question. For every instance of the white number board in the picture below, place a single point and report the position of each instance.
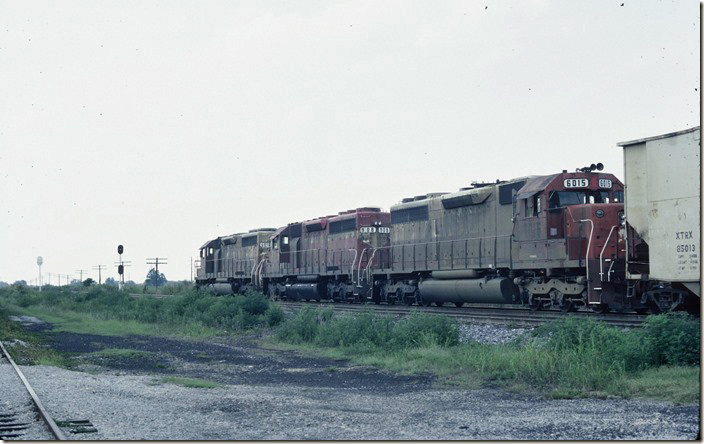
(604, 183)
(576, 183)
(375, 229)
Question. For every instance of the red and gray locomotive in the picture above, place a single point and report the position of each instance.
(542, 241)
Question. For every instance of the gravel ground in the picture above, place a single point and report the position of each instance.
(490, 334)
(280, 395)
(14, 400)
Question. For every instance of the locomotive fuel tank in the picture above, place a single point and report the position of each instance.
(305, 291)
(492, 291)
(223, 288)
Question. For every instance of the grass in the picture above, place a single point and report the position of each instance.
(104, 310)
(565, 359)
(676, 384)
(190, 382)
(31, 350)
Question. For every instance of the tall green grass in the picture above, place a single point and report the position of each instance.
(368, 331)
(572, 357)
(104, 307)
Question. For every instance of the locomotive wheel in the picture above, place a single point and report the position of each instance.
(535, 304)
(401, 297)
(600, 308)
(439, 303)
(566, 306)
(459, 304)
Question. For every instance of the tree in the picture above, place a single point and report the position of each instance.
(111, 282)
(20, 283)
(154, 279)
(88, 282)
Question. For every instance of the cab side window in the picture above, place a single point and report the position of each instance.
(536, 205)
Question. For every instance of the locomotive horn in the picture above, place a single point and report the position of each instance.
(599, 166)
(592, 167)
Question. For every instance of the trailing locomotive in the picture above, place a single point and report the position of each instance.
(559, 240)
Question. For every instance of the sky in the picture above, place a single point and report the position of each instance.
(160, 125)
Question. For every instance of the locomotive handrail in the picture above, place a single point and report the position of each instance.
(369, 264)
(451, 241)
(257, 271)
(601, 256)
(586, 258)
(352, 264)
(359, 265)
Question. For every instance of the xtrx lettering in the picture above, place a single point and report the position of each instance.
(683, 235)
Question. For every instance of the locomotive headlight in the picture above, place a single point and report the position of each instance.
(599, 213)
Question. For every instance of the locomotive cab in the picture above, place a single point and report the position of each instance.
(569, 221)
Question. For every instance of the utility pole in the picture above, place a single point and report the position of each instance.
(100, 268)
(81, 272)
(156, 261)
(191, 268)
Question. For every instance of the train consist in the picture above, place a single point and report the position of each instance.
(561, 240)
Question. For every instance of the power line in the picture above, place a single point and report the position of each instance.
(81, 272)
(100, 268)
(67, 276)
(156, 261)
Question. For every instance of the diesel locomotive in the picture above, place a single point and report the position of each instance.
(542, 241)
(563, 241)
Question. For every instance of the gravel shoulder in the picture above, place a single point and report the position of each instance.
(281, 395)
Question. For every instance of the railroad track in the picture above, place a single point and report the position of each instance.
(494, 314)
(18, 422)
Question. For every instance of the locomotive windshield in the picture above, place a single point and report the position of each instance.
(559, 199)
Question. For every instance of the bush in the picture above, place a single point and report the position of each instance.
(424, 329)
(274, 315)
(364, 330)
(303, 327)
(191, 306)
(672, 339)
(255, 303)
(367, 331)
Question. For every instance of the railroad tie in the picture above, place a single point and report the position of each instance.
(9, 428)
(78, 426)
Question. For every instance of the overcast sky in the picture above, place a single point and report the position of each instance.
(160, 125)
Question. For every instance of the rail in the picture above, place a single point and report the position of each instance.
(486, 314)
(42, 411)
